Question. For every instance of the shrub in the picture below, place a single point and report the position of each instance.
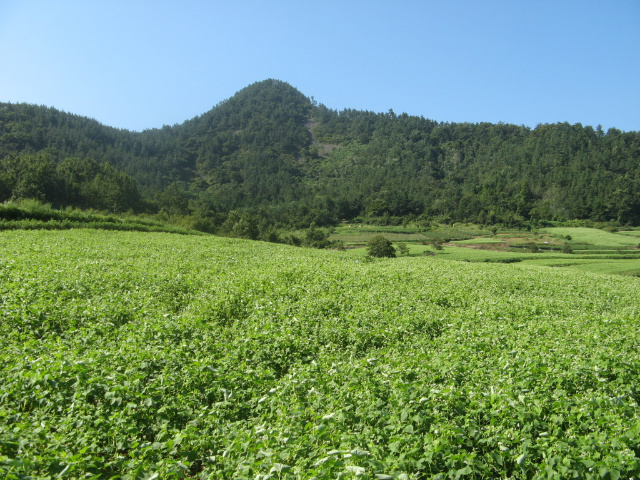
(379, 246)
(316, 237)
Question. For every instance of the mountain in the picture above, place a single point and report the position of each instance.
(271, 155)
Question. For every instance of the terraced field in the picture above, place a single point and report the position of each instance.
(154, 355)
(585, 249)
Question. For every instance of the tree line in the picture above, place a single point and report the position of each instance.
(275, 158)
(78, 182)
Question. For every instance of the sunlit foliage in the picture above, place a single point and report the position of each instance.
(152, 355)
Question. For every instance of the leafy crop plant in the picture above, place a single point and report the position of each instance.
(152, 355)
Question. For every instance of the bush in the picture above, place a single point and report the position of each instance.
(379, 246)
(316, 237)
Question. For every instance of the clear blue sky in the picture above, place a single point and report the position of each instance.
(139, 64)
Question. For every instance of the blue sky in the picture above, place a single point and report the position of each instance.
(139, 64)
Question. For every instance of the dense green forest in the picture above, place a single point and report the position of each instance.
(271, 157)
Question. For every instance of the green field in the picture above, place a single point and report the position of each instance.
(154, 355)
(593, 236)
(590, 249)
(479, 241)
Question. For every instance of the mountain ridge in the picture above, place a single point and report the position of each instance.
(272, 152)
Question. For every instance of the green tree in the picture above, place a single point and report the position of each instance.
(33, 177)
(113, 190)
(76, 176)
(241, 224)
(524, 200)
(379, 246)
(173, 199)
(315, 237)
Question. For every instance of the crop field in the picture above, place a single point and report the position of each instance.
(594, 236)
(585, 249)
(157, 356)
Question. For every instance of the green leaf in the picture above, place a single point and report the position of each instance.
(279, 468)
(355, 470)
(463, 471)
(356, 452)
(394, 447)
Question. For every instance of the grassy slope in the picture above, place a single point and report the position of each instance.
(33, 215)
(125, 353)
(595, 236)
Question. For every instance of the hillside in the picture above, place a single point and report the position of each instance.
(272, 156)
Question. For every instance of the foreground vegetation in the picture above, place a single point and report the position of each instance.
(152, 355)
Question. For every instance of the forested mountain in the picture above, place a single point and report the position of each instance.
(271, 156)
